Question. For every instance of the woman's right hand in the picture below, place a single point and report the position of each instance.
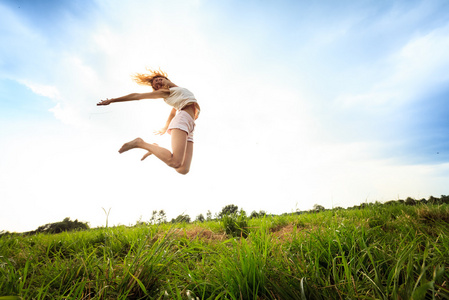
(105, 102)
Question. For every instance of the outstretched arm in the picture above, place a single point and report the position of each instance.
(164, 129)
(161, 93)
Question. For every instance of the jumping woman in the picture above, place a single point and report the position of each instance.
(180, 124)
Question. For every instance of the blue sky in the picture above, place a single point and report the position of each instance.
(303, 103)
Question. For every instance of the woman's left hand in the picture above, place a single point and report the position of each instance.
(160, 131)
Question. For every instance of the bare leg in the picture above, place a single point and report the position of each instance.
(148, 153)
(176, 159)
(185, 167)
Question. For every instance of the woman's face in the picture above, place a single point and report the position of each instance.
(159, 82)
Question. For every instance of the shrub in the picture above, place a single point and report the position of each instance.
(318, 208)
(228, 209)
(431, 216)
(64, 225)
(410, 201)
(255, 214)
(181, 219)
(200, 218)
(433, 200)
(236, 224)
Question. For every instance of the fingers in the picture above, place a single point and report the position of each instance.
(160, 132)
(104, 102)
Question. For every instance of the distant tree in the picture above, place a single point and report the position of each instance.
(423, 201)
(181, 219)
(444, 199)
(390, 202)
(433, 200)
(209, 215)
(58, 227)
(410, 201)
(161, 217)
(228, 210)
(254, 214)
(200, 218)
(317, 207)
(153, 217)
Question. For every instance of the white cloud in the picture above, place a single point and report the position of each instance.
(424, 60)
(418, 66)
(43, 90)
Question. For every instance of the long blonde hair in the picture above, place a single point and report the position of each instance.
(147, 78)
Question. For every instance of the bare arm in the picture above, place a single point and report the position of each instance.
(161, 93)
(164, 129)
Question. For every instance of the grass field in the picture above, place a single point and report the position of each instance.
(377, 252)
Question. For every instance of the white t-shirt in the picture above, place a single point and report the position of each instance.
(181, 97)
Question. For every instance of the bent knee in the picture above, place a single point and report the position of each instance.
(182, 170)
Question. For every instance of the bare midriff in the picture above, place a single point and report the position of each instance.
(190, 109)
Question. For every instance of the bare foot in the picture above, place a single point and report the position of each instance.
(131, 145)
(148, 153)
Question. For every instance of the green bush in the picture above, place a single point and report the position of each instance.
(236, 224)
(63, 226)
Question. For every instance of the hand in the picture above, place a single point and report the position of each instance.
(105, 102)
(160, 131)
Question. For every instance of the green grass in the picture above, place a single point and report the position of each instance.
(378, 252)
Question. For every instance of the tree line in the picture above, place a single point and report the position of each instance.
(234, 219)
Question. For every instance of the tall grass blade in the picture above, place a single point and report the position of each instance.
(140, 284)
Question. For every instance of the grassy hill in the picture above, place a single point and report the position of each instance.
(394, 251)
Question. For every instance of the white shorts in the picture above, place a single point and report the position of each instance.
(183, 121)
